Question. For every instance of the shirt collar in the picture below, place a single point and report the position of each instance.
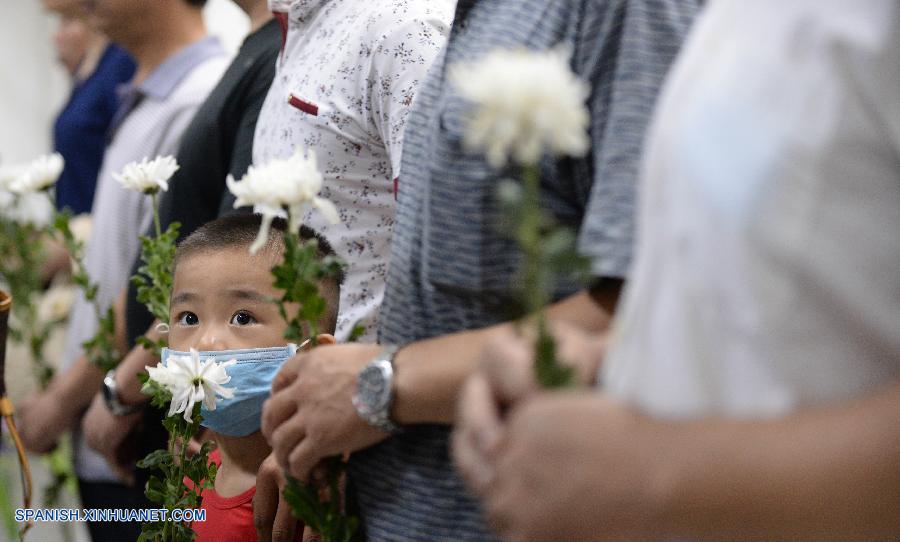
(463, 7)
(304, 10)
(163, 80)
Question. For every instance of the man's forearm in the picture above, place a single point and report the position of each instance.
(826, 474)
(76, 386)
(430, 373)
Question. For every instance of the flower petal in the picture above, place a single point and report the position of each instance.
(328, 210)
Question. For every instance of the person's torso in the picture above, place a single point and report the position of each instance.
(79, 133)
(120, 215)
(333, 79)
(766, 274)
(452, 266)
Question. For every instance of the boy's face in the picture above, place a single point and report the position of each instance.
(221, 300)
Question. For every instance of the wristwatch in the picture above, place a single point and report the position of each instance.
(374, 394)
(111, 397)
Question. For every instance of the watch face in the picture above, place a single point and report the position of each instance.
(374, 392)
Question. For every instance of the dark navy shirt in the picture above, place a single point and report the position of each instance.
(79, 133)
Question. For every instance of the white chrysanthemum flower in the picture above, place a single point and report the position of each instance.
(191, 381)
(525, 104)
(7, 199)
(292, 185)
(54, 305)
(40, 174)
(148, 176)
(9, 173)
(30, 209)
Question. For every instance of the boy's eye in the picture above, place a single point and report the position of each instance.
(242, 318)
(188, 319)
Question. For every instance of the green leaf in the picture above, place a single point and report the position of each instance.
(358, 331)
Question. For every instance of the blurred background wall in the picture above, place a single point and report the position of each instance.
(33, 86)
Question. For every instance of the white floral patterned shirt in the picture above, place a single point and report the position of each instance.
(344, 84)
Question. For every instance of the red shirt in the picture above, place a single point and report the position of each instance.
(227, 519)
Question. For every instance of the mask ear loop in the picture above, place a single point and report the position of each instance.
(162, 328)
(305, 345)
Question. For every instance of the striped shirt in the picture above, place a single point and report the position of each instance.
(451, 267)
(149, 122)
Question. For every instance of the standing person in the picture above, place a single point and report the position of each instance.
(758, 349)
(449, 280)
(177, 66)
(218, 142)
(98, 68)
(347, 75)
(346, 78)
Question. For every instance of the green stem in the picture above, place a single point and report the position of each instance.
(530, 240)
(182, 457)
(156, 215)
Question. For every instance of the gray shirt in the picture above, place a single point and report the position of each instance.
(451, 268)
(150, 123)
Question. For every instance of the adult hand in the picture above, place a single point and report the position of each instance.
(42, 419)
(271, 513)
(575, 466)
(107, 434)
(505, 377)
(311, 415)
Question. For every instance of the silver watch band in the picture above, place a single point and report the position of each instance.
(376, 409)
(111, 397)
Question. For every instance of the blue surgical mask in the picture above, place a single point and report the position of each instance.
(251, 377)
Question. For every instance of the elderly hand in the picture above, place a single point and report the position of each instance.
(310, 415)
(575, 466)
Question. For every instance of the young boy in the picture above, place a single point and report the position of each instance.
(222, 306)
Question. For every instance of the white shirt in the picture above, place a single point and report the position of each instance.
(768, 270)
(353, 68)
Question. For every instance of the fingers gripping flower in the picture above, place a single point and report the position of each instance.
(282, 188)
(191, 381)
(526, 103)
(148, 176)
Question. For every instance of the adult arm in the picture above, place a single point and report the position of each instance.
(46, 415)
(825, 473)
(581, 466)
(105, 432)
(310, 414)
(430, 373)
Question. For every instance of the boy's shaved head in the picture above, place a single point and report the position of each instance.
(240, 230)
